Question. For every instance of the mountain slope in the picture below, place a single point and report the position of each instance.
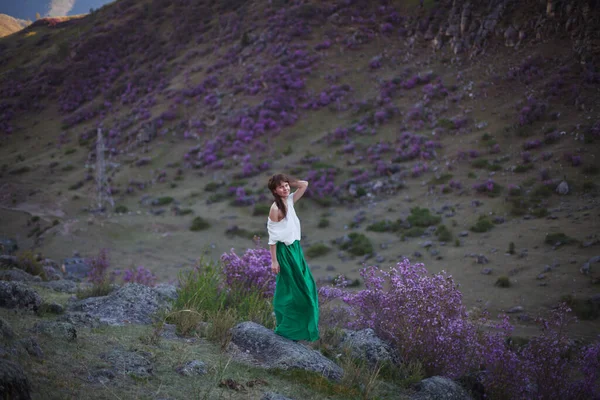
(9, 25)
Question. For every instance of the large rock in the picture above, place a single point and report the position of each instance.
(63, 285)
(16, 275)
(6, 331)
(365, 345)
(273, 351)
(76, 267)
(18, 295)
(14, 384)
(439, 388)
(132, 303)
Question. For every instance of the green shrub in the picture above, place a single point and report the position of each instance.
(241, 232)
(359, 244)
(589, 186)
(317, 249)
(480, 163)
(20, 170)
(28, 262)
(70, 150)
(583, 309)
(540, 212)
(199, 224)
(591, 170)
(261, 210)
(443, 233)
(323, 223)
(213, 186)
(471, 175)
(559, 239)
(521, 168)
(541, 191)
(121, 209)
(442, 179)
(503, 282)
(163, 201)
(483, 224)
(414, 231)
(76, 185)
(385, 226)
(457, 243)
(511, 248)
(445, 123)
(96, 290)
(422, 217)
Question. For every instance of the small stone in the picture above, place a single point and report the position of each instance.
(547, 268)
(417, 254)
(434, 252)
(427, 244)
(463, 234)
(330, 268)
(481, 259)
(192, 368)
(540, 277)
(486, 271)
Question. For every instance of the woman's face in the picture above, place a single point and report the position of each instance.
(283, 189)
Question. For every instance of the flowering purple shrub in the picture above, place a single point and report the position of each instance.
(528, 71)
(532, 144)
(100, 264)
(423, 317)
(488, 187)
(532, 111)
(139, 275)
(322, 183)
(251, 272)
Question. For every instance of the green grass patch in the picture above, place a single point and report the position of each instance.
(199, 224)
(121, 209)
(483, 224)
(385, 226)
(522, 168)
(583, 309)
(323, 223)
(162, 201)
(558, 239)
(96, 290)
(541, 191)
(442, 179)
(213, 186)
(70, 150)
(316, 250)
(241, 232)
(503, 282)
(422, 217)
(591, 170)
(413, 232)
(358, 245)
(443, 233)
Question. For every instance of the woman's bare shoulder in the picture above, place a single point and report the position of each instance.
(274, 214)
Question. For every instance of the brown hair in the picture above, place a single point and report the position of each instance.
(274, 182)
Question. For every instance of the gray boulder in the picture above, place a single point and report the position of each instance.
(18, 295)
(15, 275)
(365, 345)
(56, 329)
(63, 285)
(439, 388)
(76, 267)
(168, 291)
(14, 384)
(270, 350)
(132, 303)
(80, 319)
(133, 363)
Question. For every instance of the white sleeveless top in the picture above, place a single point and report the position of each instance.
(288, 229)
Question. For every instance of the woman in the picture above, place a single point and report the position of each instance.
(295, 301)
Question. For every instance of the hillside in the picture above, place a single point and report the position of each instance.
(476, 113)
(463, 136)
(9, 25)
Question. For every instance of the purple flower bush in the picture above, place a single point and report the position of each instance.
(100, 264)
(422, 316)
(532, 111)
(251, 272)
(139, 275)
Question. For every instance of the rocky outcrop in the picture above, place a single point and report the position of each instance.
(439, 388)
(18, 295)
(132, 303)
(270, 350)
(14, 384)
(367, 346)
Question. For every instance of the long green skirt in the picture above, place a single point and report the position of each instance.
(295, 301)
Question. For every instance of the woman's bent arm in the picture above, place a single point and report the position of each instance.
(301, 185)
